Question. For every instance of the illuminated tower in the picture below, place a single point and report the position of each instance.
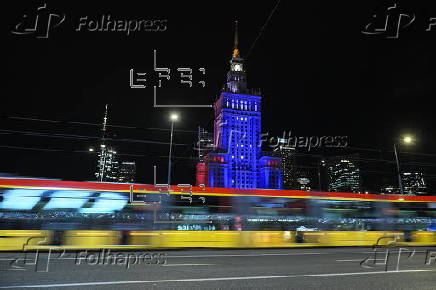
(236, 161)
(107, 165)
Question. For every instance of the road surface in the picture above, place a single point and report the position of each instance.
(304, 268)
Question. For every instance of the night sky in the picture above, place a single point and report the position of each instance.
(318, 73)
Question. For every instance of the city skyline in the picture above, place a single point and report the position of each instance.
(307, 88)
(218, 145)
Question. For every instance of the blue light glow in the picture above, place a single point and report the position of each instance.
(237, 137)
(238, 132)
(107, 202)
(68, 199)
(23, 199)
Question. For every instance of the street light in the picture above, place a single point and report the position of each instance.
(173, 117)
(407, 139)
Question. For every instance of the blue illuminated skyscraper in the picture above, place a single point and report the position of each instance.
(236, 161)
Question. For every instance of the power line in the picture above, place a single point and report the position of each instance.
(92, 124)
(262, 29)
(390, 151)
(93, 138)
(82, 137)
(365, 160)
(87, 152)
(359, 159)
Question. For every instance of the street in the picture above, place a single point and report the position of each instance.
(326, 268)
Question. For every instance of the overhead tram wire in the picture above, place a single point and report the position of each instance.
(89, 138)
(85, 151)
(82, 137)
(249, 51)
(363, 160)
(92, 124)
(262, 29)
(92, 138)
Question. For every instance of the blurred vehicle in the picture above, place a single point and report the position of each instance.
(63, 205)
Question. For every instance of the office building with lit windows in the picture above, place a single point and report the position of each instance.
(127, 171)
(288, 163)
(296, 174)
(237, 161)
(389, 189)
(413, 183)
(109, 168)
(343, 174)
(107, 164)
(204, 144)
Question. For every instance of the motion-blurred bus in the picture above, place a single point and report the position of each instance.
(59, 206)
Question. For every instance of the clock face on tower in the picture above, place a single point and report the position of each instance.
(237, 67)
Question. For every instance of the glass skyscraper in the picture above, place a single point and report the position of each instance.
(414, 183)
(343, 174)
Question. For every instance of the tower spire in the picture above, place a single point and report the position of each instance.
(236, 42)
(104, 123)
(103, 150)
(236, 82)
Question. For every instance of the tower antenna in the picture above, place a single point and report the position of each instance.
(262, 29)
(102, 161)
(236, 42)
